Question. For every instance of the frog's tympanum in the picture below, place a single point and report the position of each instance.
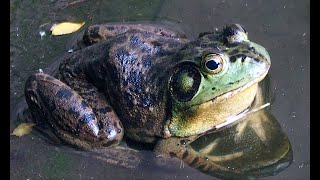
(153, 85)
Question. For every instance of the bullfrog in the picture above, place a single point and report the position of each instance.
(150, 84)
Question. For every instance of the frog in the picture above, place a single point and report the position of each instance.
(148, 83)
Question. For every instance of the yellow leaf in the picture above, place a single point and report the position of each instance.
(22, 129)
(65, 28)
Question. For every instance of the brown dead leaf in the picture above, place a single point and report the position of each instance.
(65, 28)
(23, 129)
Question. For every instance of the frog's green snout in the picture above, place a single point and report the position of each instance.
(262, 51)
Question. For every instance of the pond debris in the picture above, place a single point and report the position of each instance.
(22, 129)
(42, 33)
(65, 28)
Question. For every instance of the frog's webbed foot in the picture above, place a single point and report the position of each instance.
(205, 151)
(201, 160)
(82, 118)
(96, 33)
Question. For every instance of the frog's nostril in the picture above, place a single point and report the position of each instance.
(252, 49)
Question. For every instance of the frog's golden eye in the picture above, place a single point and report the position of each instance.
(212, 63)
(185, 82)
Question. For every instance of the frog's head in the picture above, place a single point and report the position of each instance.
(216, 77)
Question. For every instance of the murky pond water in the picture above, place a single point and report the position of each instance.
(280, 26)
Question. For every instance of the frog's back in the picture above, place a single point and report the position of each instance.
(134, 74)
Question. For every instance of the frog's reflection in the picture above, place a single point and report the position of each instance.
(254, 146)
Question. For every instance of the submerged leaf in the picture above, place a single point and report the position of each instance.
(22, 129)
(65, 28)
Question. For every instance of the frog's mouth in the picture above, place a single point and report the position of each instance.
(225, 96)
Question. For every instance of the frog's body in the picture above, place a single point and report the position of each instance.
(151, 80)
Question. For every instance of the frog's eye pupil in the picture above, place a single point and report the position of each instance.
(212, 65)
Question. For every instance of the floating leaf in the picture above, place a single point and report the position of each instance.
(65, 28)
(22, 129)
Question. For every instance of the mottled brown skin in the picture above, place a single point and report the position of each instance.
(74, 116)
(108, 81)
(98, 33)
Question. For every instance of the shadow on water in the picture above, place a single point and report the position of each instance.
(36, 157)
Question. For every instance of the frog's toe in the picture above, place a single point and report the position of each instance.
(209, 148)
(58, 106)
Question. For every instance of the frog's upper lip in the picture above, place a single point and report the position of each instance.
(230, 93)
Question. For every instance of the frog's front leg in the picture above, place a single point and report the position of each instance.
(180, 148)
(82, 118)
(96, 33)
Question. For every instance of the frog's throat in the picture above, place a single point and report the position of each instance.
(204, 117)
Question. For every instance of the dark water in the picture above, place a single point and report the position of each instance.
(283, 27)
